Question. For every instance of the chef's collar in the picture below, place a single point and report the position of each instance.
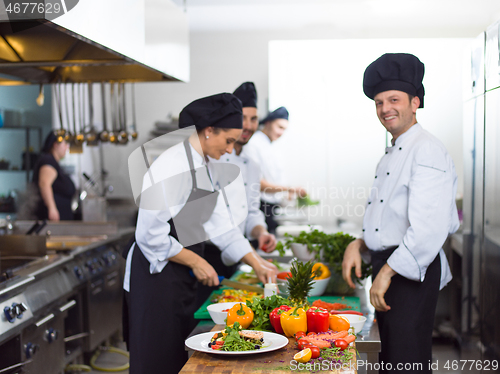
(408, 133)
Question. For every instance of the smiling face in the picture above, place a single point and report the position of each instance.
(219, 141)
(250, 125)
(274, 129)
(395, 111)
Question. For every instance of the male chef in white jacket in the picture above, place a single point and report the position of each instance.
(410, 213)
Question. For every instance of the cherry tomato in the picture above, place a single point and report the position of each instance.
(341, 343)
(302, 343)
(299, 335)
(311, 333)
(314, 350)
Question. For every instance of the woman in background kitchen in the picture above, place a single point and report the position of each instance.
(55, 187)
(261, 150)
(164, 264)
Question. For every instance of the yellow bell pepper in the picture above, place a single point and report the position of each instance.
(323, 271)
(240, 313)
(293, 321)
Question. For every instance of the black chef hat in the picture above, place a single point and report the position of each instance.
(281, 112)
(247, 94)
(395, 71)
(49, 141)
(221, 110)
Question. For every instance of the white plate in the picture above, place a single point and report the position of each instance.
(272, 342)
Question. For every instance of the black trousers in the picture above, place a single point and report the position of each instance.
(406, 329)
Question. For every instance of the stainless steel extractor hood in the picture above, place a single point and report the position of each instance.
(72, 48)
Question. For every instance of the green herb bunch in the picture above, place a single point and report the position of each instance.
(327, 248)
(261, 308)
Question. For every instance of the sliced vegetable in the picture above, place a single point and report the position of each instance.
(303, 356)
(318, 319)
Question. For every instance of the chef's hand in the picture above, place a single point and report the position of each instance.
(379, 288)
(202, 270)
(53, 214)
(267, 242)
(205, 273)
(299, 191)
(352, 259)
(265, 271)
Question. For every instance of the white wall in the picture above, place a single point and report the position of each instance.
(335, 140)
(220, 62)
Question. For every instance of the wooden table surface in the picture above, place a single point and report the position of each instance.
(275, 362)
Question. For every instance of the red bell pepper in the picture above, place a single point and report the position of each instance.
(274, 318)
(317, 319)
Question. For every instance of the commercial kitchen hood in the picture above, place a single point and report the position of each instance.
(115, 40)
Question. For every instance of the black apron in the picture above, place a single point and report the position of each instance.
(406, 329)
(161, 305)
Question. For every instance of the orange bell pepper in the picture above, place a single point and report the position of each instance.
(240, 313)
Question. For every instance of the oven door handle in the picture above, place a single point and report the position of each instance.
(68, 305)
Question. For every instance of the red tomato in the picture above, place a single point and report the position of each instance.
(302, 344)
(315, 352)
(284, 275)
(311, 333)
(299, 335)
(341, 343)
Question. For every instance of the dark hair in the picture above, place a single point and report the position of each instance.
(216, 130)
(410, 97)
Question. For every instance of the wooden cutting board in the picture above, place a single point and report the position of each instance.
(276, 362)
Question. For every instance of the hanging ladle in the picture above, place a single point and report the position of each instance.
(104, 135)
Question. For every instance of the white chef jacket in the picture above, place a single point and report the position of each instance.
(251, 179)
(412, 204)
(261, 150)
(153, 230)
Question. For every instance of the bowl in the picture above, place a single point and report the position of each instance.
(355, 320)
(318, 288)
(301, 252)
(217, 314)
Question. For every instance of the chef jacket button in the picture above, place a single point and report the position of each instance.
(400, 148)
(387, 173)
(381, 201)
(375, 176)
(376, 229)
(363, 230)
(245, 184)
(244, 162)
(369, 202)
(386, 152)
(228, 160)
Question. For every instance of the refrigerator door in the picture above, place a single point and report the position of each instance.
(474, 68)
(492, 60)
(489, 302)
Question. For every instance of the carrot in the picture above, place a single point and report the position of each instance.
(317, 342)
(337, 335)
(350, 338)
(329, 306)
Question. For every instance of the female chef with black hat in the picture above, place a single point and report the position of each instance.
(411, 211)
(169, 242)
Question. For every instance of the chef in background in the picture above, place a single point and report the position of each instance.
(261, 150)
(254, 227)
(54, 187)
(410, 213)
(162, 271)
